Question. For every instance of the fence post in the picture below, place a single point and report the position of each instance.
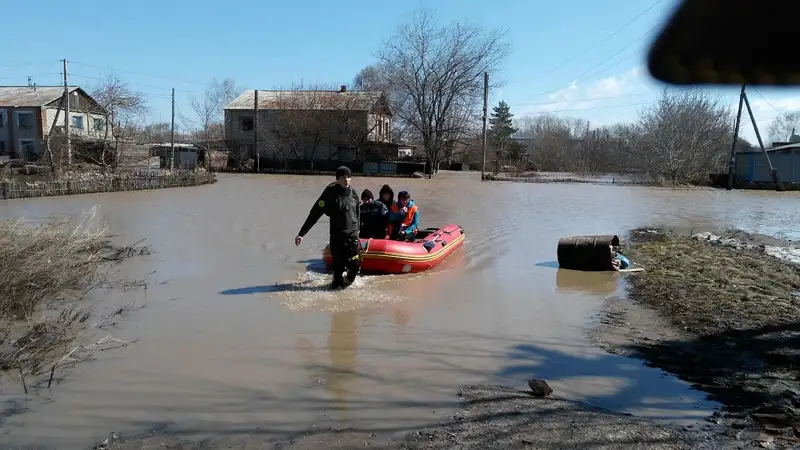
(4, 190)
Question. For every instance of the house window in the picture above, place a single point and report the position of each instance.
(3, 150)
(25, 120)
(3, 118)
(247, 123)
(77, 122)
(27, 148)
(99, 124)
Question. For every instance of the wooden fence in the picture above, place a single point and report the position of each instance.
(12, 189)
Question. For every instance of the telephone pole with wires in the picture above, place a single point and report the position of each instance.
(66, 115)
(732, 166)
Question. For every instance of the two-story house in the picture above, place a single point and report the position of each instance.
(308, 124)
(28, 113)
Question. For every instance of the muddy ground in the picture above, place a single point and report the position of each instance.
(492, 418)
(720, 314)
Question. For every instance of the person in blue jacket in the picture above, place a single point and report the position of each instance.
(403, 218)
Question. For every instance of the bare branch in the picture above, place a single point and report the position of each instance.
(436, 74)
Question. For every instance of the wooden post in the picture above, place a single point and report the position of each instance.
(255, 131)
(66, 115)
(773, 171)
(485, 111)
(732, 163)
(172, 135)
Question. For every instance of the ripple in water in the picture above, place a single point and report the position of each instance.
(311, 291)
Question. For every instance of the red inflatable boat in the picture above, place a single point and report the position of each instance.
(428, 250)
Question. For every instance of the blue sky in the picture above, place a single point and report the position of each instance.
(562, 59)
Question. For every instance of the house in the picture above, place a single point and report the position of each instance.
(751, 166)
(310, 125)
(27, 114)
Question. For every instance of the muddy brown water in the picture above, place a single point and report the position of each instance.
(238, 333)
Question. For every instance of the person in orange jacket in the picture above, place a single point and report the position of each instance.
(403, 217)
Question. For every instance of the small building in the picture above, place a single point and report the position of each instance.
(752, 168)
(309, 125)
(187, 156)
(28, 114)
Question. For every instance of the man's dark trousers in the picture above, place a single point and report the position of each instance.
(346, 256)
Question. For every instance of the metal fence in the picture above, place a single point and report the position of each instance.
(14, 189)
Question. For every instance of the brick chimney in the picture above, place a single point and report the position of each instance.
(343, 88)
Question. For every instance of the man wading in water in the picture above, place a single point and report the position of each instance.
(340, 202)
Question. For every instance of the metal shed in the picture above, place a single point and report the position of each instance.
(752, 167)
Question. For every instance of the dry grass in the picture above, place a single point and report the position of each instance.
(703, 287)
(48, 262)
(45, 273)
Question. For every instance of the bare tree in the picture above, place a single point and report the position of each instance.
(439, 72)
(783, 127)
(123, 106)
(370, 78)
(296, 123)
(684, 136)
(299, 123)
(208, 125)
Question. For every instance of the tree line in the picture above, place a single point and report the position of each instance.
(683, 137)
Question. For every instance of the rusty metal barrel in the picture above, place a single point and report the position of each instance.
(588, 253)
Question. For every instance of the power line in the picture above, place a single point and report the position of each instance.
(767, 101)
(150, 86)
(596, 108)
(143, 74)
(26, 63)
(41, 74)
(584, 77)
(588, 99)
(605, 38)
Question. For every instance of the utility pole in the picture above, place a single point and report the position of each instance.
(772, 170)
(255, 130)
(732, 163)
(66, 114)
(172, 135)
(485, 110)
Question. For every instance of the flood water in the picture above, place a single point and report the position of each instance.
(238, 332)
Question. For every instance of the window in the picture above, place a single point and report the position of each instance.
(25, 120)
(247, 123)
(27, 148)
(77, 122)
(3, 118)
(99, 124)
(3, 150)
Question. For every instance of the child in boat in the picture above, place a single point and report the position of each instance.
(374, 217)
(386, 196)
(403, 218)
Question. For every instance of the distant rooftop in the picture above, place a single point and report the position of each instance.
(296, 99)
(27, 96)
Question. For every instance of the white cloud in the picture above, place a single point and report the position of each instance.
(578, 96)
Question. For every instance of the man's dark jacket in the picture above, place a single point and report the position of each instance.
(342, 206)
(374, 220)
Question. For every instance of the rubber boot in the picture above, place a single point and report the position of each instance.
(338, 282)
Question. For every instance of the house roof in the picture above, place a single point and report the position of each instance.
(26, 96)
(773, 149)
(324, 100)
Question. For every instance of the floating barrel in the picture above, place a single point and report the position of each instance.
(591, 253)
